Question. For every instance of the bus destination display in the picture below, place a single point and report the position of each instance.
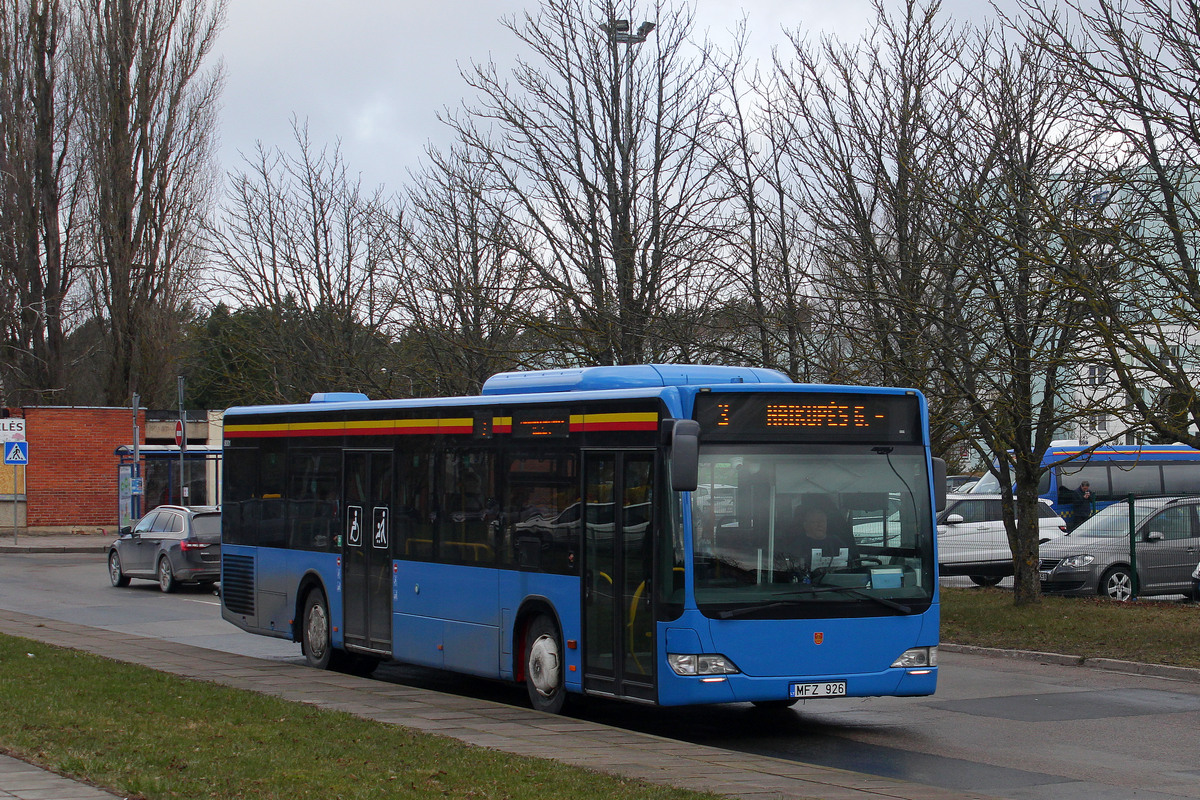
(552, 423)
(805, 417)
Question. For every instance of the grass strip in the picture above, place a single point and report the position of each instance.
(147, 734)
(1154, 632)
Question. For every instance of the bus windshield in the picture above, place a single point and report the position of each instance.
(792, 532)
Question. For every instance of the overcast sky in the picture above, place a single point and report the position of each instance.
(373, 74)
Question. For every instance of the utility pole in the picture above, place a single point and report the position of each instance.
(183, 487)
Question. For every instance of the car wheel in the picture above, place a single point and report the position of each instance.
(166, 578)
(985, 580)
(544, 673)
(115, 574)
(1117, 584)
(314, 631)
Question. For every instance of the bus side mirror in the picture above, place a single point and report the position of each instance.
(939, 483)
(685, 455)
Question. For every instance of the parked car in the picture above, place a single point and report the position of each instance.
(972, 540)
(1196, 584)
(1094, 558)
(170, 545)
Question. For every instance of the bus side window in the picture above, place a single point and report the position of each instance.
(1181, 478)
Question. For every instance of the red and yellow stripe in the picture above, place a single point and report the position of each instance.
(580, 423)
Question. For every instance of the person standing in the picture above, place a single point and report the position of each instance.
(1084, 505)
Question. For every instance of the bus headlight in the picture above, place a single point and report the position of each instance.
(917, 657)
(707, 664)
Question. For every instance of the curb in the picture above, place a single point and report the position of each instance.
(52, 548)
(1167, 671)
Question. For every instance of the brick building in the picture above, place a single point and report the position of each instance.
(71, 479)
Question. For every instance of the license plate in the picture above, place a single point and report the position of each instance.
(1043, 576)
(830, 689)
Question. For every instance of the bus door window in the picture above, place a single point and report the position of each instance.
(638, 562)
(618, 600)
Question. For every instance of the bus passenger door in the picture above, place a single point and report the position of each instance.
(618, 625)
(366, 550)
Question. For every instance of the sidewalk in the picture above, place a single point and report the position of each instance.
(90, 539)
(477, 722)
(27, 782)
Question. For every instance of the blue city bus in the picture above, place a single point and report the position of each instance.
(1112, 472)
(625, 532)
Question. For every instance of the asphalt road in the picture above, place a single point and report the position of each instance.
(999, 727)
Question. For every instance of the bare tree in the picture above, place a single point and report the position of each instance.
(869, 131)
(469, 296)
(303, 242)
(601, 144)
(149, 104)
(37, 197)
(1138, 64)
(761, 314)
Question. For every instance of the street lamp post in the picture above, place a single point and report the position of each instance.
(619, 33)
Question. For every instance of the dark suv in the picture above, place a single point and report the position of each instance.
(169, 545)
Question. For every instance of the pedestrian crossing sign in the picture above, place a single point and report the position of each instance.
(16, 453)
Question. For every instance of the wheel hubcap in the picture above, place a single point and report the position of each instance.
(114, 568)
(544, 669)
(1120, 587)
(318, 631)
(164, 574)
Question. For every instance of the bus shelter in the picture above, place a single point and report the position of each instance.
(153, 479)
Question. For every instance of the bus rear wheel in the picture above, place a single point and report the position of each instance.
(314, 630)
(544, 678)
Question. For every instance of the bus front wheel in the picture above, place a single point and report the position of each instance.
(314, 630)
(544, 678)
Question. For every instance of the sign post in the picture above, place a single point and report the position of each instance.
(181, 440)
(16, 454)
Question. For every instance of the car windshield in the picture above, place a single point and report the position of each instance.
(791, 532)
(1113, 521)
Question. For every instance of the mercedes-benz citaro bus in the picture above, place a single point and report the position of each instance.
(629, 532)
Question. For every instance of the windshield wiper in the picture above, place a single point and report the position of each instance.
(854, 591)
(745, 610)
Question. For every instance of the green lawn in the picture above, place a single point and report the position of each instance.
(142, 733)
(1159, 632)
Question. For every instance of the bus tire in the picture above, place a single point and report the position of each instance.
(985, 580)
(315, 640)
(545, 679)
(1116, 584)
